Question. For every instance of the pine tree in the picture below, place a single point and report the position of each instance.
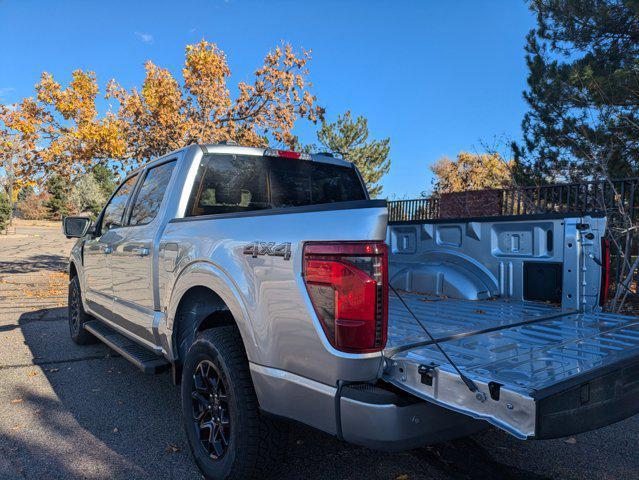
(5, 211)
(58, 188)
(106, 178)
(583, 91)
(348, 138)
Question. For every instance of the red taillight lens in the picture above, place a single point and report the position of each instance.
(605, 271)
(271, 152)
(347, 283)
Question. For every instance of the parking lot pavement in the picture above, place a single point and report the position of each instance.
(83, 412)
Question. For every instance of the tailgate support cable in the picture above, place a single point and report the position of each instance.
(469, 383)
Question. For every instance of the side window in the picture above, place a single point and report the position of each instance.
(228, 183)
(114, 211)
(149, 198)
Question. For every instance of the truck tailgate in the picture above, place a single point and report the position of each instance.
(541, 372)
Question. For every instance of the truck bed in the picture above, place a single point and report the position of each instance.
(448, 318)
(530, 358)
(526, 344)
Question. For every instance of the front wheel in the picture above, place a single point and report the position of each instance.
(228, 436)
(77, 316)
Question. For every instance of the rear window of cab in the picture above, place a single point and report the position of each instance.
(227, 183)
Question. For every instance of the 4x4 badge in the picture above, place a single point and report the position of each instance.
(269, 248)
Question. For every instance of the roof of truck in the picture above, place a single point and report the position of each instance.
(232, 148)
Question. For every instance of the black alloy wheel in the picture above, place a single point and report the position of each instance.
(211, 409)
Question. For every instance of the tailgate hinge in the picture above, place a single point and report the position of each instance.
(427, 373)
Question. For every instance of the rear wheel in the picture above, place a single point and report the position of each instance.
(77, 316)
(228, 436)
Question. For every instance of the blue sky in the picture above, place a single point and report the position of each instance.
(436, 77)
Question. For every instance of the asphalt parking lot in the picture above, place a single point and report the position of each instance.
(83, 412)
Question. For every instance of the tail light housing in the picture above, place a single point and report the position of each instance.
(272, 152)
(348, 286)
(605, 271)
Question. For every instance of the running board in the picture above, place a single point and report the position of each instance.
(139, 356)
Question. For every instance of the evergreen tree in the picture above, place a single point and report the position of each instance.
(583, 91)
(5, 211)
(348, 138)
(105, 177)
(58, 188)
(25, 192)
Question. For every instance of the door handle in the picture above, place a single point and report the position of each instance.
(142, 251)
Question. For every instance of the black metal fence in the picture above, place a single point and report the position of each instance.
(599, 196)
(416, 209)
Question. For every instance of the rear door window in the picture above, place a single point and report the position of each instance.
(149, 197)
(114, 211)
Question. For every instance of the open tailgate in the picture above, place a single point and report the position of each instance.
(541, 372)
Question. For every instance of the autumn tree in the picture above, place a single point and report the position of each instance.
(65, 134)
(349, 139)
(61, 128)
(471, 172)
(164, 115)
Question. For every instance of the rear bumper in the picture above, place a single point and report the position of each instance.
(384, 420)
(360, 413)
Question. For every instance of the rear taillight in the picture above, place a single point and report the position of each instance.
(348, 286)
(605, 271)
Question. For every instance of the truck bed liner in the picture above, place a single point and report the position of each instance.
(526, 352)
(449, 317)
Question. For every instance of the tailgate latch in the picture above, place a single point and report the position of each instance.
(427, 372)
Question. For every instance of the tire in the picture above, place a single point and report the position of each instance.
(77, 316)
(218, 400)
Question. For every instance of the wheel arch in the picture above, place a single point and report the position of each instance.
(204, 297)
(200, 308)
(73, 271)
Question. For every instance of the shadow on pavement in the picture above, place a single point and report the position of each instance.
(109, 420)
(33, 264)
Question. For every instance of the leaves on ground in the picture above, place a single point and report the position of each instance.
(172, 448)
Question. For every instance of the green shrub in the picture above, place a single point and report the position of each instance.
(5, 211)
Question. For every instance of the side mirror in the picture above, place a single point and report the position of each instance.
(75, 227)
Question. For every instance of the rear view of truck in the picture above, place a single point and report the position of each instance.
(500, 319)
(272, 286)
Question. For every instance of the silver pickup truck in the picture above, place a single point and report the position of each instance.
(274, 288)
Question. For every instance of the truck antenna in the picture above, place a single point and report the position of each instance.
(469, 383)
